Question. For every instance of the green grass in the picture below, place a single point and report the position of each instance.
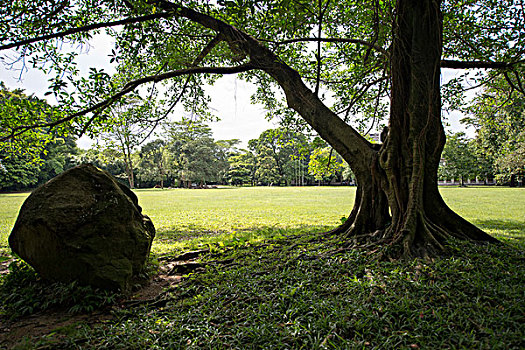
(208, 216)
(255, 213)
(282, 298)
(10, 204)
(300, 292)
(179, 214)
(499, 211)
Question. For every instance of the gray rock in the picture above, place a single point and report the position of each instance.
(84, 226)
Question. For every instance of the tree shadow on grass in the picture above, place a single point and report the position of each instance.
(508, 228)
(200, 234)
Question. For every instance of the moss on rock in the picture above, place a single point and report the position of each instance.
(83, 225)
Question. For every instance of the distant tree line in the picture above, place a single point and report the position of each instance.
(185, 154)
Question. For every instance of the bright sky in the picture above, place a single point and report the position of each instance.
(239, 119)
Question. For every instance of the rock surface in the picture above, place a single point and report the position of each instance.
(84, 226)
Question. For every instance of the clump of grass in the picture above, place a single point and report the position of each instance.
(23, 292)
(10, 203)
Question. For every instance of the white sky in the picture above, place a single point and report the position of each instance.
(239, 119)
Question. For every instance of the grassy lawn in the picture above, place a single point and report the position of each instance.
(498, 211)
(208, 215)
(10, 203)
(251, 213)
(284, 292)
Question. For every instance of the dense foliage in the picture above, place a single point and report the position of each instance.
(41, 155)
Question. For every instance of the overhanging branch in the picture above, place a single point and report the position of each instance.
(207, 49)
(129, 87)
(342, 136)
(85, 29)
(454, 64)
(332, 40)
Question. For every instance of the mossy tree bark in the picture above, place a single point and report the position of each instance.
(408, 160)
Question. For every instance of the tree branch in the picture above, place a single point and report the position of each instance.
(353, 147)
(333, 40)
(319, 33)
(129, 87)
(518, 80)
(207, 49)
(454, 64)
(85, 29)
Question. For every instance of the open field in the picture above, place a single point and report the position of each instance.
(286, 291)
(250, 212)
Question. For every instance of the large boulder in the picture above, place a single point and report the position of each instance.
(84, 226)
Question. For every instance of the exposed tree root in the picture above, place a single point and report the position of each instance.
(194, 266)
(186, 256)
(423, 237)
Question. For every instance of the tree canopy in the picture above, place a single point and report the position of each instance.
(344, 67)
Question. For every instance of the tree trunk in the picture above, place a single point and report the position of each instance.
(420, 222)
(397, 205)
(128, 162)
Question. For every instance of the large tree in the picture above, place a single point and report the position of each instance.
(365, 55)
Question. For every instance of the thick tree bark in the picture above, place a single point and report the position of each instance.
(409, 158)
(397, 205)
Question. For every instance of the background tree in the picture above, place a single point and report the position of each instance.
(511, 163)
(127, 130)
(107, 159)
(242, 168)
(16, 108)
(17, 173)
(199, 158)
(498, 115)
(195, 154)
(459, 159)
(225, 150)
(155, 163)
(324, 164)
(41, 155)
(277, 152)
(58, 156)
(364, 54)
